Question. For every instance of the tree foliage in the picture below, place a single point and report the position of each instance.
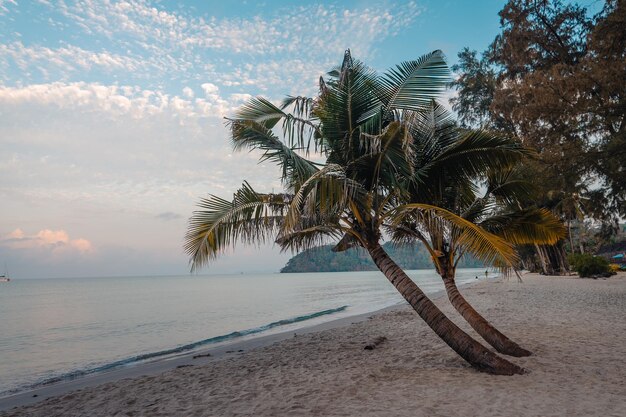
(555, 78)
(589, 266)
(451, 163)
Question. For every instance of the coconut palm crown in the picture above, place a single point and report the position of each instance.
(450, 163)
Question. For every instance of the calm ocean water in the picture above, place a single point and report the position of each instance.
(60, 328)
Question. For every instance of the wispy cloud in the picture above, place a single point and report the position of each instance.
(4, 6)
(310, 29)
(67, 59)
(290, 46)
(119, 100)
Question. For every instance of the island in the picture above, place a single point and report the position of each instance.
(323, 259)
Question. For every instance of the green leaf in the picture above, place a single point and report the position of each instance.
(413, 84)
(250, 217)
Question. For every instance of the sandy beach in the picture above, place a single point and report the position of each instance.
(575, 327)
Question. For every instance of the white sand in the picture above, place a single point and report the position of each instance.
(575, 327)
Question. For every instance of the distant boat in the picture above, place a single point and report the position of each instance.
(5, 277)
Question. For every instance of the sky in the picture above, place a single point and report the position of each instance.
(112, 114)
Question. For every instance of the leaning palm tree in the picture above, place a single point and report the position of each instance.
(450, 163)
(356, 124)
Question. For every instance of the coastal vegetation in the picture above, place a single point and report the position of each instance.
(589, 266)
(553, 78)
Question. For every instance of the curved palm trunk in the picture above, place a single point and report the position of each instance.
(469, 349)
(491, 335)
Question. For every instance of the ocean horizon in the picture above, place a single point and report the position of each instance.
(58, 329)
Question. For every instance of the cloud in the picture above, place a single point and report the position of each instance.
(209, 89)
(56, 242)
(4, 6)
(288, 30)
(188, 92)
(17, 234)
(149, 43)
(168, 215)
(67, 59)
(116, 100)
(240, 98)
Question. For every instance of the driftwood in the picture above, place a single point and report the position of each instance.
(375, 342)
(201, 355)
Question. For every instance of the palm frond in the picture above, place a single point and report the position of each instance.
(433, 127)
(478, 209)
(512, 192)
(477, 152)
(340, 108)
(525, 227)
(385, 159)
(251, 135)
(507, 187)
(301, 105)
(319, 232)
(261, 111)
(298, 128)
(323, 194)
(440, 223)
(412, 84)
(250, 217)
(346, 242)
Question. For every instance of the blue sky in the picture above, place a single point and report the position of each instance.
(111, 113)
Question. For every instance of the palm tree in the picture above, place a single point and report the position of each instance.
(449, 163)
(356, 124)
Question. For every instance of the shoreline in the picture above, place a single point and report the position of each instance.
(200, 357)
(32, 395)
(573, 326)
(37, 364)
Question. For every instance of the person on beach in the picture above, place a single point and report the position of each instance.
(486, 273)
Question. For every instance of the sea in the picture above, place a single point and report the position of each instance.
(59, 329)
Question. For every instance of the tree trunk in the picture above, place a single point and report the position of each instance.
(542, 259)
(557, 258)
(581, 246)
(491, 335)
(469, 349)
(569, 233)
(564, 263)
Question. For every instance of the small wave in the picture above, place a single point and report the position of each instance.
(180, 349)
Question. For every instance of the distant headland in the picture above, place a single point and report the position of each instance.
(323, 259)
